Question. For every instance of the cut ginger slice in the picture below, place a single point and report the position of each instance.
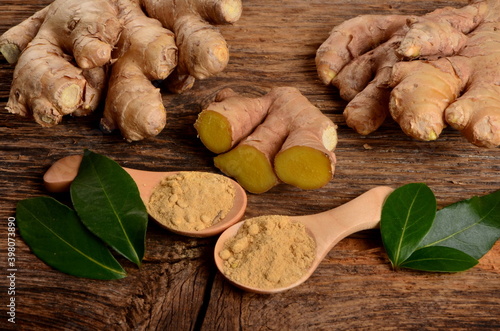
(249, 166)
(303, 167)
(279, 137)
(214, 131)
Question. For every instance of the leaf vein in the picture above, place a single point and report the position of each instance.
(115, 212)
(400, 243)
(55, 234)
(462, 230)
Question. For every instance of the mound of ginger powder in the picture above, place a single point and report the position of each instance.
(268, 252)
(191, 201)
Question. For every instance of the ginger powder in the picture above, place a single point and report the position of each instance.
(191, 201)
(268, 252)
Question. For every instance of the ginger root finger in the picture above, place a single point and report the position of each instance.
(48, 94)
(219, 11)
(280, 137)
(422, 91)
(146, 51)
(477, 116)
(46, 85)
(368, 110)
(459, 47)
(352, 38)
(86, 30)
(133, 106)
(15, 40)
(203, 51)
(441, 32)
(231, 118)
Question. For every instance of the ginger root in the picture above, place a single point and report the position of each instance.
(73, 52)
(279, 137)
(454, 81)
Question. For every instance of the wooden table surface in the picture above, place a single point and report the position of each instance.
(178, 286)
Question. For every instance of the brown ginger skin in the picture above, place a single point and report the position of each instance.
(146, 51)
(279, 137)
(457, 47)
(14, 40)
(466, 81)
(191, 21)
(118, 48)
(45, 84)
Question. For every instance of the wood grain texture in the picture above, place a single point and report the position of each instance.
(178, 288)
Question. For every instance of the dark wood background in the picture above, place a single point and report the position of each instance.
(178, 286)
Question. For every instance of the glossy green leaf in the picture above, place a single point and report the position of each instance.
(55, 234)
(439, 259)
(107, 201)
(471, 226)
(407, 216)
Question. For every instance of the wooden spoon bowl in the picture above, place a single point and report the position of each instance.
(326, 228)
(61, 174)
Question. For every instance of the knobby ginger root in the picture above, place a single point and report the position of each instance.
(279, 137)
(14, 40)
(45, 83)
(146, 51)
(454, 82)
(71, 53)
(196, 38)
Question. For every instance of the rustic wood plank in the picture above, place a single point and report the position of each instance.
(178, 288)
(355, 288)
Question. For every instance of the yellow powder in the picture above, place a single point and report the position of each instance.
(191, 201)
(268, 252)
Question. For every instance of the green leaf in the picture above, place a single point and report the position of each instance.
(471, 226)
(55, 234)
(439, 259)
(407, 216)
(108, 202)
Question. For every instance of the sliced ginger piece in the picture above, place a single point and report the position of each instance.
(249, 166)
(229, 119)
(279, 137)
(304, 167)
(214, 131)
(306, 159)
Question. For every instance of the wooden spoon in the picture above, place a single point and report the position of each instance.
(326, 228)
(62, 173)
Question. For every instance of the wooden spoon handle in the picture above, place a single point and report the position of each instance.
(62, 173)
(361, 213)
